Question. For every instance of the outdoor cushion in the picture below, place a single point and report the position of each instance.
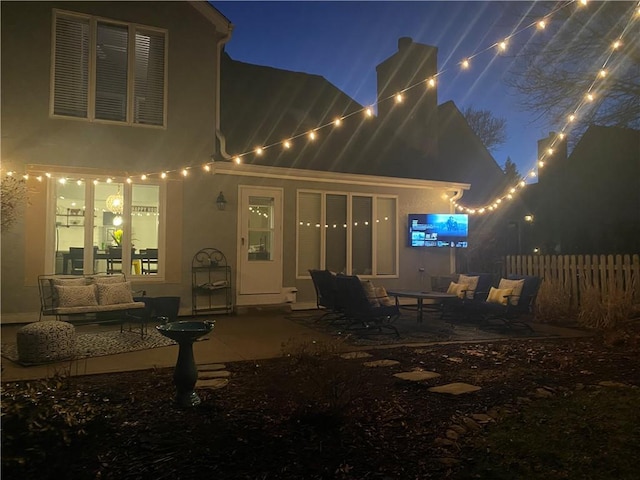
(515, 285)
(383, 298)
(112, 293)
(69, 281)
(499, 295)
(370, 290)
(471, 282)
(108, 278)
(75, 295)
(458, 289)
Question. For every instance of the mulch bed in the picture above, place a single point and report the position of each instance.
(296, 417)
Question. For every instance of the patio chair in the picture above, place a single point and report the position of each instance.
(324, 283)
(506, 305)
(359, 310)
(478, 288)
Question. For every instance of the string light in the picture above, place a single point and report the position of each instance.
(431, 82)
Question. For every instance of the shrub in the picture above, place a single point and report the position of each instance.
(42, 416)
(325, 381)
(605, 310)
(553, 303)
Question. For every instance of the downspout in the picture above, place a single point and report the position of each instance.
(219, 139)
(457, 195)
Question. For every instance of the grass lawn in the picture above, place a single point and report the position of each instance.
(593, 433)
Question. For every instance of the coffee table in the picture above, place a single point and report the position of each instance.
(438, 298)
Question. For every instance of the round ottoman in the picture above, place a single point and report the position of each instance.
(46, 341)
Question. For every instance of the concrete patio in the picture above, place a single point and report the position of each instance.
(253, 335)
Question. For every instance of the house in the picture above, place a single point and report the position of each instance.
(94, 96)
(587, 202)
(121, 125)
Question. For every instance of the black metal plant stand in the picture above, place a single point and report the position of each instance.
(185, 374)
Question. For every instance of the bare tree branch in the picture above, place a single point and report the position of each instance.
(559, 65)
(491, 130)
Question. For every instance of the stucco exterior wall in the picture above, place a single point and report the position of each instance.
(30, 136)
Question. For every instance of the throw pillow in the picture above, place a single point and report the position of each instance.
(515, 285)
(499, 295)
(383, 298)
(118, 278)
(67, 282)
(370, 290)
(471, 282)
(76, 295)
(112, 293)
(458, 289)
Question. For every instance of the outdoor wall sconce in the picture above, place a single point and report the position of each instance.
(528, 218)
(221, 202)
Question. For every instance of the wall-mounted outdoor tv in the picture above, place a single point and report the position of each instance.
(438, 230)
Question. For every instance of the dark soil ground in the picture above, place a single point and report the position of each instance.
(308, 415)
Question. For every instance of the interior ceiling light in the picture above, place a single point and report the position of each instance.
(115, 203)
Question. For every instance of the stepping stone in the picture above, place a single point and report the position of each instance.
(456, 388)
(211, 367)
(422, 351)
(455, 359)
(609, 383)
(212, 383)
(482, 417)
(215, 374)
(351, 355)
(381, 363)
(417, 375)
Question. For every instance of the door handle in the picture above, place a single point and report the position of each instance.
(242, 242)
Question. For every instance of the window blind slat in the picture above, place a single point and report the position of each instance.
(149, 78)
(71, 67)
(111, 72)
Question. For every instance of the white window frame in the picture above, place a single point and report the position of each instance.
(89, 223)
(323, 247)
(133, 28)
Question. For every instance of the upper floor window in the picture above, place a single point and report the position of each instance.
(108, 70)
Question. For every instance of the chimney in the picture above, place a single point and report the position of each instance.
(554, 159)
(415, 119)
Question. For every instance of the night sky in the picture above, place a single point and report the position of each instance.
(345, 41)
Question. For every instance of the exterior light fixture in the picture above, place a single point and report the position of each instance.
(221, 202)
(528, 218)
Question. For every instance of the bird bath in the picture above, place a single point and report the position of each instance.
(185, 374)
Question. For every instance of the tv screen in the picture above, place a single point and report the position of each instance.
(438, 230)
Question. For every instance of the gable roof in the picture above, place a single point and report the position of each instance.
(263, 106)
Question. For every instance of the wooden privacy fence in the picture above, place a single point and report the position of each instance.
(577, 273)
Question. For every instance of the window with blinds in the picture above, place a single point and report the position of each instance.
(95, 81)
